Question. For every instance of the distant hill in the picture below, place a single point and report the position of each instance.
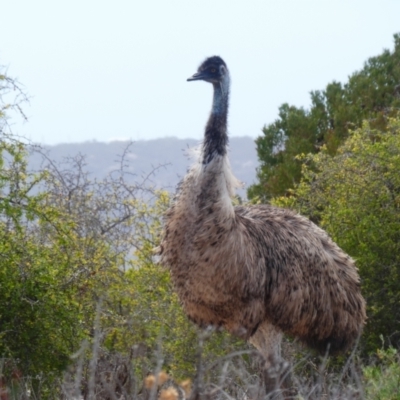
(168, 155)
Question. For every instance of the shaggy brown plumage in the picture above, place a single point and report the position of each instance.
(255, 270)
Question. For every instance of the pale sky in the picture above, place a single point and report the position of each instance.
(117, 69)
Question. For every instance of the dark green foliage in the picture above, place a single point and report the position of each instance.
(370, 94)
(348, 185)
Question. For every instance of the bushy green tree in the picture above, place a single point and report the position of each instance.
(38, 312)
(45, 269)
(61, 246)
(372, 93)
(355, 196)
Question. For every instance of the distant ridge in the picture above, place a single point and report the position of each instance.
(170, 154)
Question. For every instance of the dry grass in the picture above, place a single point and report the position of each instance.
(104, 375)
(238, 376)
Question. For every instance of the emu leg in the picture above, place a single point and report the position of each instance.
(276, 371)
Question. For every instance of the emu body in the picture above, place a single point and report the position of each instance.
(256, 270)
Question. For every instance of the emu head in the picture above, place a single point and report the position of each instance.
(213, 70)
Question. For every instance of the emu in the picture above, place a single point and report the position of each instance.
(258, 271)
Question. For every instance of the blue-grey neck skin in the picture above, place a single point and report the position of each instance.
(221, 96)
(216, 135)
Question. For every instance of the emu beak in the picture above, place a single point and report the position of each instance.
(196, 77)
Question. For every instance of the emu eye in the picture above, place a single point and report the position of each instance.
(213, 70)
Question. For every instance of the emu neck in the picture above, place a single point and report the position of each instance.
(216, 136)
